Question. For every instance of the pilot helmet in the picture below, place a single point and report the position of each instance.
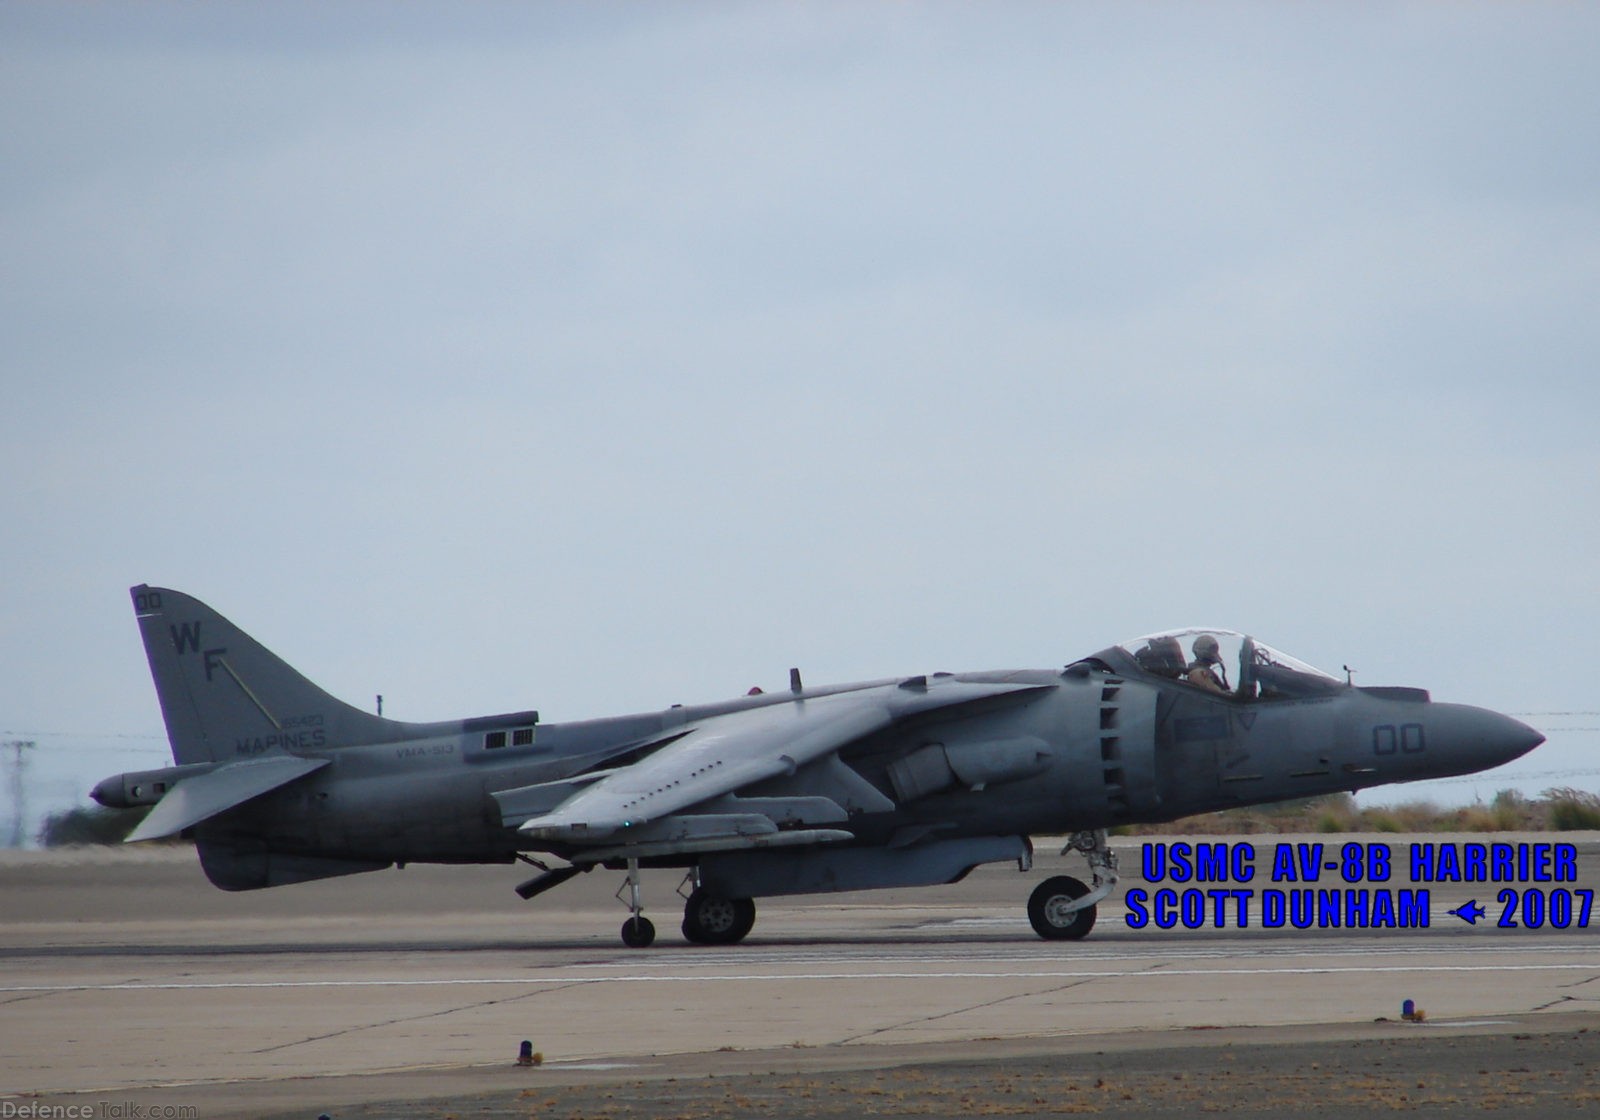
(1205, 648)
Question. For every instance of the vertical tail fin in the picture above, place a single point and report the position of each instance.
(225, 696)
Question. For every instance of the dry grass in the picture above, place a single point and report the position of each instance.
(1556, 810)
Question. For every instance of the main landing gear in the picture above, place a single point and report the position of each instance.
(1063, 908)
(708, 919)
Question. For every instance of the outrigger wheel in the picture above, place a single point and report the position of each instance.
(638, 933)
(1047, 910)
(710, 919)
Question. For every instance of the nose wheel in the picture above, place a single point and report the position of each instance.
(1051, 913)
(1063, 908)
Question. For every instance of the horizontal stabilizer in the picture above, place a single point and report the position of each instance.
(196, 799)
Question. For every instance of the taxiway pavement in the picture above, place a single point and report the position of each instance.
(126, 977)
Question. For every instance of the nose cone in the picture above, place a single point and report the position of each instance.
(1478, 739)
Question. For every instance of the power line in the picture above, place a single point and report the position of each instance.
(96, 748)
(99, 734)
(1526, 776)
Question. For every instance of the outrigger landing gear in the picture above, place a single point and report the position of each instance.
(638, 932)
(1062, 908)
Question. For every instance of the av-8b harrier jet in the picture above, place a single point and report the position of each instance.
(905, 781)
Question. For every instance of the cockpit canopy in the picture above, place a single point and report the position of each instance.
(1246, 668)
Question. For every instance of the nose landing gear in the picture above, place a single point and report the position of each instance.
(1063, 908)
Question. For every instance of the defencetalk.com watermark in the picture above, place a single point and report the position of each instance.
(96, 1110)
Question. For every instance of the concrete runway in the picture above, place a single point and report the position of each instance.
(127, 977)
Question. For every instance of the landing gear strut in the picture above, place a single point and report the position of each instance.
(638, 932)
(708, 919)
(1062, 908)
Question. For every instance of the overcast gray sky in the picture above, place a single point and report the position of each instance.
(593, 357)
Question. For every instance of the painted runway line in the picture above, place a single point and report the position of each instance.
(786, 977)
(1232, 951)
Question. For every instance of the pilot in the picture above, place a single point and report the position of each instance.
(1206, 671)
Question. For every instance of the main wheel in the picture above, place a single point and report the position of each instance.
(638, 933)
(710, 919)
(1049, 915)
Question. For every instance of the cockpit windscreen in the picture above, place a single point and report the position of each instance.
(1228, 663)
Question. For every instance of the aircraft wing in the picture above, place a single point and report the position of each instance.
(193, 800)
(640, 809)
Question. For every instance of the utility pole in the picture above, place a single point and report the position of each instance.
(19, 791)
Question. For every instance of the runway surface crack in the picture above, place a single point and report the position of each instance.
(1555, 1003)
(414, 1018)
(66, 989)
(923, 1020)
(26, 996)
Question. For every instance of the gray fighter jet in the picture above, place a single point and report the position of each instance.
(906, 781)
